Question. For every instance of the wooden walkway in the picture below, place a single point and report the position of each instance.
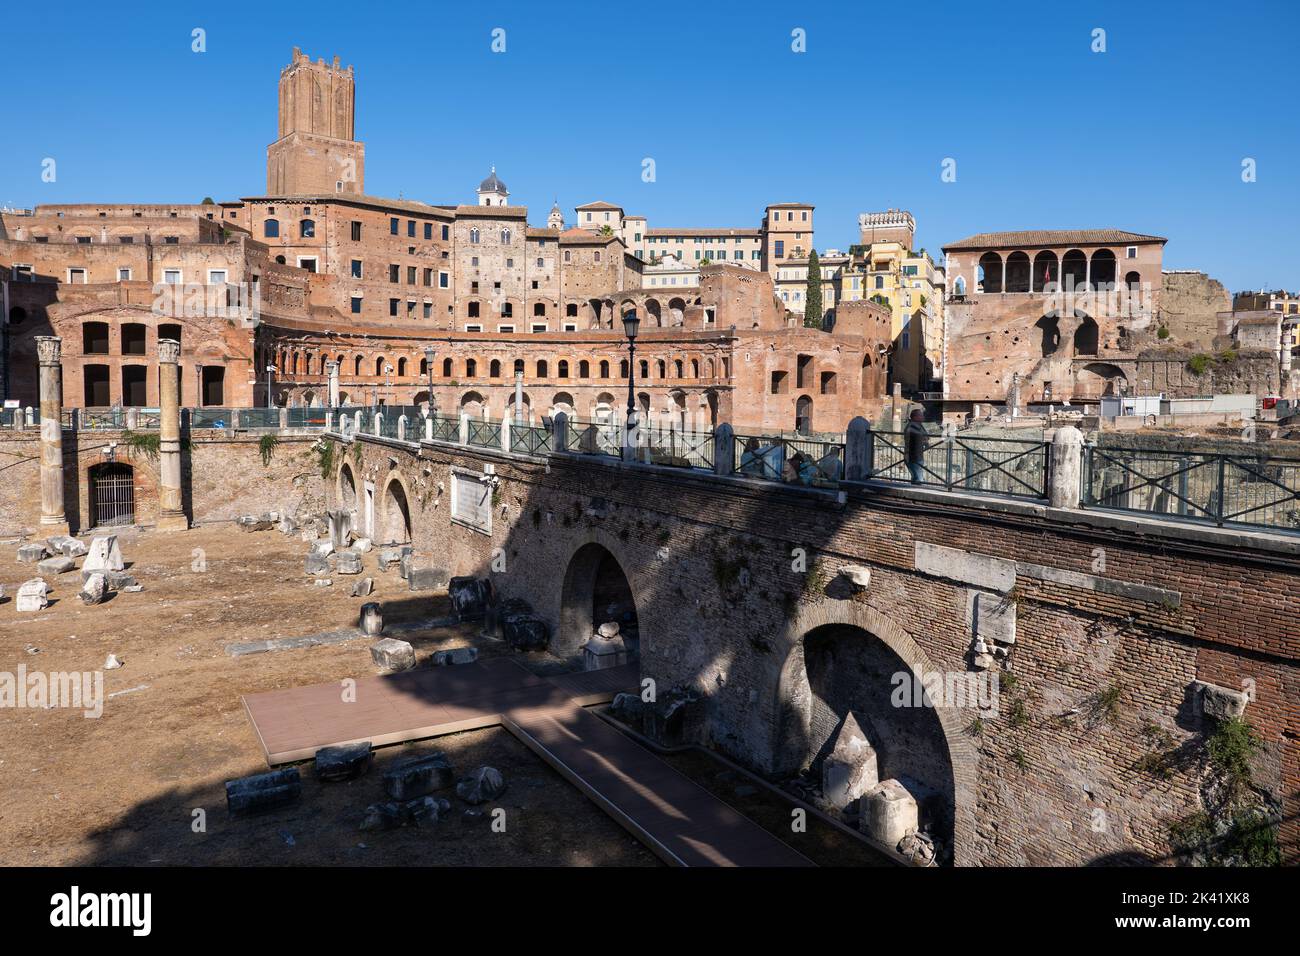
(678, 820)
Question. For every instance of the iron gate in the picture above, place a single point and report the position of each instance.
(112, 495)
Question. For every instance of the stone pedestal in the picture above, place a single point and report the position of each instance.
(850, 770)
(889, 813)
(171, 516)
(53, 518)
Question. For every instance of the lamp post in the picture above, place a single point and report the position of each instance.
(631, 324)
(429, 353)
(270, 370)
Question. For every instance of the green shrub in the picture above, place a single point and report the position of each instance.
(1199, 363)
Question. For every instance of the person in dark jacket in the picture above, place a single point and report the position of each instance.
(915, 441)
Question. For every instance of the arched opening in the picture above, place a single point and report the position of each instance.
(1047, 270)
(1074, 270)
(653, 312)
(397, 514)
(803, 420)
(595, 591)
(676, 312)
(990, 272)
(472, 404)
(841, 669)
(1102, 378)
(1103, 269)
(112, 494)
(1085, 337)
(446, 368)
(1018, 272)
(347, 487)
(1134, 281)
(1051, 327)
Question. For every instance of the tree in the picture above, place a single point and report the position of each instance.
(812, 313)
(607, 230)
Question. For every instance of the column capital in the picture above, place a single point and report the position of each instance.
(48, 349)
(169, 351)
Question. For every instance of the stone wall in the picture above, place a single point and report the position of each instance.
(1189, 303)
(1111, 628)
(222, 477)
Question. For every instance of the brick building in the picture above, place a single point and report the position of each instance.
(316, 270)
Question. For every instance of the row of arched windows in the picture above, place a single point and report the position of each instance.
(1071, 271)
(293, 362)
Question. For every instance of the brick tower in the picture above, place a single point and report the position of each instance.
(316, 153)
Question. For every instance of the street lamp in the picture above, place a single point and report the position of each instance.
(270, 370)
(631, 324)
(429, 353)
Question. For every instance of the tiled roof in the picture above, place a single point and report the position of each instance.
(601, 204)
(401, 205)
(588, 236)
(1050, 237)
(753, 233)
(493, 212)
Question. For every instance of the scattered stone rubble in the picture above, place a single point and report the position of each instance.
(484, 784)
(263, 791)
(418, 776)
(392, 655)
(344, 762)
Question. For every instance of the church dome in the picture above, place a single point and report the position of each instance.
(492, 184)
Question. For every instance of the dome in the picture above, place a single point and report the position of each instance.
(492, 184)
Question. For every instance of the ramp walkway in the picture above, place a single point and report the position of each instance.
(677, 819)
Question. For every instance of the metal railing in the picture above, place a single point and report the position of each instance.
(483, 432)
(1016, 467)
(531, 439)
(594, 438)
(1202, 486)
(680, 449)
(446, 429)
(213, 418)
(800, 461)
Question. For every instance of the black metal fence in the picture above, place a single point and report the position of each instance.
(1203, 486)
(1017, 467)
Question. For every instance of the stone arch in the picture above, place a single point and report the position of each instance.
(580, 589)
(790, 742)
(654, 314)
(1103, 269)
(1018, 272)
(347, 487)
(472, 404)
(990, 272)
(395, 513)
(1086, 336)
(1112, 378)
(676, 311)
(1074, 270)
(1047, 270)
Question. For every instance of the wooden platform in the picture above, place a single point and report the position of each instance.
(678, 820)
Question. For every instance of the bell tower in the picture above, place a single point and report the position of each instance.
(316, 153)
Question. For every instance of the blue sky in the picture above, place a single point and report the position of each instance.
(1149, 135)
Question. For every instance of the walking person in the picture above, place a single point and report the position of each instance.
(915, 442)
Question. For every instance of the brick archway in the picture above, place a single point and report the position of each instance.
(394, 515)
(577, 586)
(791, 707)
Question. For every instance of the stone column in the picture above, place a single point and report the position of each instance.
(1066, 477)
(171, 516)
(332, 373)
(53, 518)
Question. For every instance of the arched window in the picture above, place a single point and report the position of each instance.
(990, 271)
(541, 368)
(473, 235)
(519, 366)
(1134, 281)
(584, 369)
(663, 369)
(562, 369)
(695, 368)
(677, 368)
(645, 369)
(959, 287)
(1103, 269)
(271, 229)
(803, 415)
(539, 310)
(401, 368)
(604, 369)
(356, 370)
(505, 236)
(446, 368)
(307, 229)
(379, 366)
(1047, 271)
(622, 369)
(494, 368)
(571, 310)
(1074, 270)
(471, 368)
(1018, 272)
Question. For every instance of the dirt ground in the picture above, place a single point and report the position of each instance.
(144, 783)
(124, 788)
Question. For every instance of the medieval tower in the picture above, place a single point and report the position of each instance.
(316, 153)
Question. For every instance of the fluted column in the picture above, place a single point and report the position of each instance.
(171, 516)
(54, 520)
